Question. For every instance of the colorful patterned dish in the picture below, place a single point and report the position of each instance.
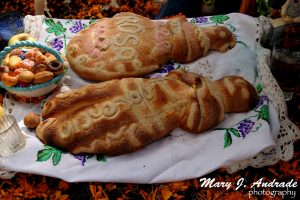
(35, 90)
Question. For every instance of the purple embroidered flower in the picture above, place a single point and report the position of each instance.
(57, 44)
(77, 27)
(82, 158)
(245, 127)
(261, 101)
(166, 68)
(201, 20)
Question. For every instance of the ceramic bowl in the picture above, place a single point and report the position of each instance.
(33, 90)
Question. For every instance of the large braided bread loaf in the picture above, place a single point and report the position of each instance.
(124, 115)
(129, 45)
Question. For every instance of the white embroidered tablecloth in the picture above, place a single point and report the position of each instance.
(234, 144)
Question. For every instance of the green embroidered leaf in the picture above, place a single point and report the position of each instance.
(219, 19)
(264, 113)
(258, 126)
(56, 157)
(49, 22)
(231, 27)
(44, 155)
(69, 21)
(84, 26)
(234, 132)
(56, 28)
(193, 20)
(60, 27)
(178, 66)
(227, 139)
(51, 29)
(259, 87)
(92, 21)
(48, 152)
(242, 43)
(101, 158)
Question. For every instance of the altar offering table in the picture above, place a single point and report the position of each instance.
(260, 137)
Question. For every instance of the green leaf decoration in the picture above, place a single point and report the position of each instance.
(92, 21)
(227, 139)
(56, 28)
(50, 152)
(69, 21)
(259, 88)
(44, 155)
(219, 19)
(264, 113)
(101, 158)
(49, 22)
(56, 157)
(193, 20)
(234, 132)
(231, 27)
(242, 43)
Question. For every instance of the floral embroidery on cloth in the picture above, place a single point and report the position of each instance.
(55, 155)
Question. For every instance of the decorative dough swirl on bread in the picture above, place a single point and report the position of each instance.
(129, 45)
(121, 116)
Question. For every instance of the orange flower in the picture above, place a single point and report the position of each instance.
(63, 185)
(165, 193)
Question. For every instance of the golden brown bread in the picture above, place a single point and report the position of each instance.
(121, 116)
(129, 45)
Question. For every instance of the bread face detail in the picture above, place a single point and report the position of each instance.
(122, 116)
(130, 45)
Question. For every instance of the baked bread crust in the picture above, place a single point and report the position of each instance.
(130, 45)
(122, 116)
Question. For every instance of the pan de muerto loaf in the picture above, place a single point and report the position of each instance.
(129, 45)
(124, 115)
